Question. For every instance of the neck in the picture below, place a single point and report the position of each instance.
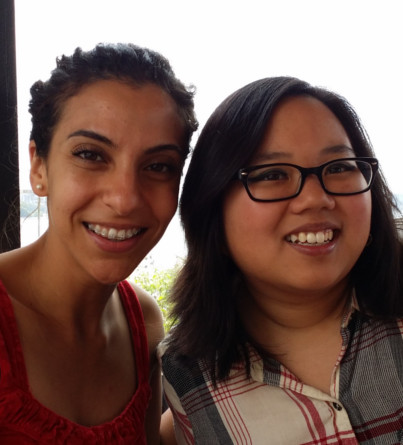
(63, 299)
(269, 318)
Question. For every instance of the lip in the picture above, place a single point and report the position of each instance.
(315, 249)
(116, 245)
(315, 227)
(114, 232)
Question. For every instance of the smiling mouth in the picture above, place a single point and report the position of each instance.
(114, 234)
(311, 238)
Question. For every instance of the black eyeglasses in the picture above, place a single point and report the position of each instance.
(277, 182)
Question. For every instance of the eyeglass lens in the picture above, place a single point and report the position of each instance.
(280, 181)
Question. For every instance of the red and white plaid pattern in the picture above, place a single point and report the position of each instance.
(274, 407)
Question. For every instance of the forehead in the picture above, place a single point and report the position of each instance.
(104, 94)
(303, 124)
(116, 109)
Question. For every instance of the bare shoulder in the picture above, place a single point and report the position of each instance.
(152, 316)
(13, 265)
(149, 306)
(7, 257)
(3, 262)
(155, 333)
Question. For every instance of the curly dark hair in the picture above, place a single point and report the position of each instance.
(126, 62)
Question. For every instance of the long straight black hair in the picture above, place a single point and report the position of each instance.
(207, 325)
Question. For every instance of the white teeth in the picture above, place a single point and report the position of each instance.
(311, 237)
(302, 237)
(121, 234)
(112, 233)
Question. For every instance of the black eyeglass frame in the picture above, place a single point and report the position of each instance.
(243, 174)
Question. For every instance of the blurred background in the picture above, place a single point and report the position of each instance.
(353, 47)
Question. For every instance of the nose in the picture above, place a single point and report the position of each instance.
(123, 193)
(312, 196)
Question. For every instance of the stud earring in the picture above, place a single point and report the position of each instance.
(39, 186)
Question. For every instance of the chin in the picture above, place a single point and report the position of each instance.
(315, 287)
(113, 274)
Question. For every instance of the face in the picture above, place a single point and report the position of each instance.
(259, 235)
(111, 177)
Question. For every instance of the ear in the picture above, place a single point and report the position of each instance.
(38, 175)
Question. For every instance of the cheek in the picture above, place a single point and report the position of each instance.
(250, 226)
(359, 208)
(164, 203)
(358, 214)
(243, 215)
(233, 216)
(68, 193)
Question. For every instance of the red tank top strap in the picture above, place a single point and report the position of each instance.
(12, 364)
(135, 319)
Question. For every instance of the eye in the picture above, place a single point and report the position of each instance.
(162, 171)
(161, 167)
(88, 154)
(341, 167)
(270, 174)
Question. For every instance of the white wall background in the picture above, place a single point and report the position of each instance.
(353, 47)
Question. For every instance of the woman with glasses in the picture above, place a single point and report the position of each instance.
(289, 310)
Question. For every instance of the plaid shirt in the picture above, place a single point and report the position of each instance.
(274, 407)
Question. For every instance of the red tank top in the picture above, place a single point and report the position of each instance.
(23, 420)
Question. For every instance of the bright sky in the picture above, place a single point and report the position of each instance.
(353, 47)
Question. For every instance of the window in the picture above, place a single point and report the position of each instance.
(220, 46)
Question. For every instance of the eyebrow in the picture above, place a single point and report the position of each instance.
(101, 138)
(91, 135)
(335, 149)
(163, 147)
(275, 155)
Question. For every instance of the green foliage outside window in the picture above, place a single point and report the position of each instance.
(158, 284)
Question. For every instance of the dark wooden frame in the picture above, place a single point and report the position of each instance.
(9, 168)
